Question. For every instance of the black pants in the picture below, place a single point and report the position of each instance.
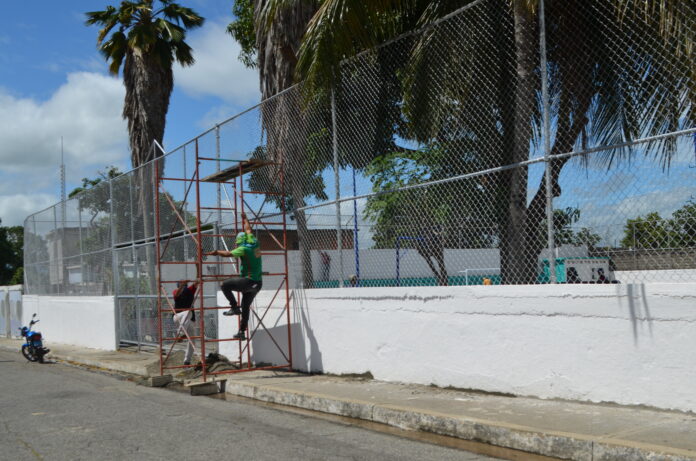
(249, 288)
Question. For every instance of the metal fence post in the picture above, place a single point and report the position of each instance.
(339, 231)
(356, 244)
(547, 144)
(217, 170)
(114, 263)
(138, 327)
(79, 236)
(26, 279)
(6, 313)
(58, 265)
(134, 259)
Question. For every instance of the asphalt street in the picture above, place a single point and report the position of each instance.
(60, 412)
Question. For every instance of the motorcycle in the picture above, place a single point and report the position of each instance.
(33, 350)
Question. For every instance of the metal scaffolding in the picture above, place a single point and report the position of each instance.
(237, 205)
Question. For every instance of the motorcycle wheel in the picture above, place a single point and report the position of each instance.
(28, 353)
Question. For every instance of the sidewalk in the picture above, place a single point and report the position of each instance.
(560, 429)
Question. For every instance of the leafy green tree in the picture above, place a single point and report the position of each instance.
(11, 254)
(653, 232)
(683, 225)
(18, 277)
(106, 175)
(428, 219)
(145, 40)
(563, 220)
(650, 231)
(586, 237)
(242, 29)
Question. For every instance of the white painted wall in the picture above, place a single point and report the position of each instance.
(87, 321)
(663, 275)
(625, 343)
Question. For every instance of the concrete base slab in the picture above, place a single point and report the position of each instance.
(200, 387)
(159, 381)
(204, 389)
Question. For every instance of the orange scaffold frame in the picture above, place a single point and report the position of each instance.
(232, 176)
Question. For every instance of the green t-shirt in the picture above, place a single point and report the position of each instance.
(249, 255)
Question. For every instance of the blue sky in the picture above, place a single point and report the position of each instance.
(53, 83)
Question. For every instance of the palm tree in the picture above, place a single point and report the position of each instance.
(146, 42)
(276, 44)
(619, 70)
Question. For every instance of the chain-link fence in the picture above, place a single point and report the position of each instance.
(495, 146)
(10, 311)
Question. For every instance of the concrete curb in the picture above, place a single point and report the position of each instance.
(140, 370)
(554, 444)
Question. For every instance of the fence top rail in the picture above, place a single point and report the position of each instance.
(11, 287)
(502, 168)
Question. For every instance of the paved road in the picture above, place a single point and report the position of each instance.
(58, 412)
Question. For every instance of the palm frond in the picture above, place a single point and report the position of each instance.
(182, 15)
(170, 31)
(183, 54)
(647, 88)
(108, 18)
(142, 37)
(100, 17)
(343, 28)
(115, 50)
(269, 12)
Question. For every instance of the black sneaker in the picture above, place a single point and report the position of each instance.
(240, 336)
(233, 311)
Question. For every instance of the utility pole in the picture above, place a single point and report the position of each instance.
(62, 185)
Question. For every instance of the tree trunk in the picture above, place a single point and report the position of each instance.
(277, 58)
(148, 88)
(574, 103)
(504, 88)
(433, 246)
(516, 264)
(304, 247)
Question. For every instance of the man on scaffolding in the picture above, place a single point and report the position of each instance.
(249, 281)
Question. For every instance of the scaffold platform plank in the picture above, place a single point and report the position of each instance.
(234, 171)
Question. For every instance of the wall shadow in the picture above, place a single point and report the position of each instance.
(306, 355)
(638, 308)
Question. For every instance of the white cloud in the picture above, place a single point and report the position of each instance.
(86, 111)
(217, 71)
(216, 115)
(15, 208)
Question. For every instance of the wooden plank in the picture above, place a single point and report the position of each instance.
(235, 170)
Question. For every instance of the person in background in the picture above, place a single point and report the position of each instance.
(325, 265)
(601, 278)
(249, 281)
(184, 316)
(572, 275)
